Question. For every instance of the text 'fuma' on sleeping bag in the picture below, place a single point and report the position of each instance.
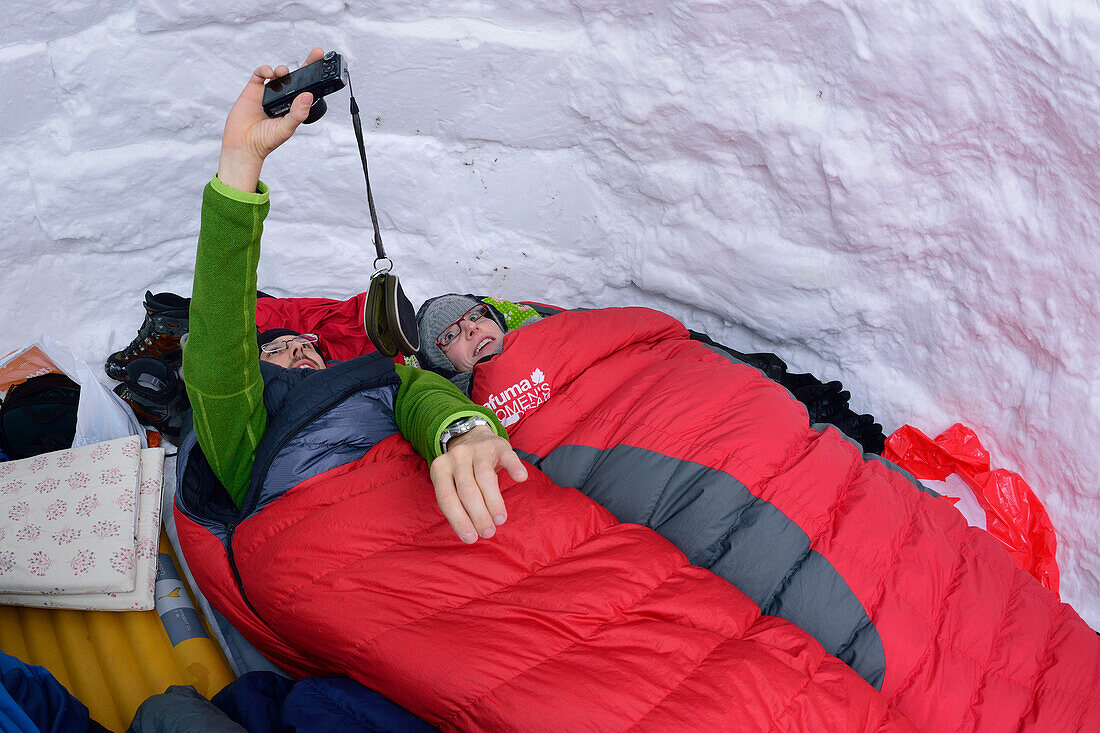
(666, 432)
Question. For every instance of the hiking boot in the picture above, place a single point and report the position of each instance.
(822, 401)
(863, 429)
(159, 336)
(157, 395)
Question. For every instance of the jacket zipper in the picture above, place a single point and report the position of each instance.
(230, 530)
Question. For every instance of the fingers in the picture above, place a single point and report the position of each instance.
(467, 489)
(485, 475)
(476, 483)
(262, 73)
(511, 463)
(446, 496)
(254, 89)
(255, 86)
(266, 72)
(299, 109)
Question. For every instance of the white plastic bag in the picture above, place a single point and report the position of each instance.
(101, 414)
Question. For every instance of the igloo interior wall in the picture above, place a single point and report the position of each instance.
(899, 194)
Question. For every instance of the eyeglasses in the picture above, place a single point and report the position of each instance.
(450, 333)
(277, 347)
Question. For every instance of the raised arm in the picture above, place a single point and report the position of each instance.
(221, 359)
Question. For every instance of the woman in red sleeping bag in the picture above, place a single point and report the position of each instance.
(670, 433)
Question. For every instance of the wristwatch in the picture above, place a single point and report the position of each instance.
(459, 427)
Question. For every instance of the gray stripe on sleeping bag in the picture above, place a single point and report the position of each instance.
(720, 525)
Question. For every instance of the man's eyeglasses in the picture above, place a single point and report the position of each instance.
(450, 333)
(277, 347)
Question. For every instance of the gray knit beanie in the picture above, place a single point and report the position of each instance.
(435, 315)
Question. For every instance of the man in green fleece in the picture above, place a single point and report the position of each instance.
(464, 443)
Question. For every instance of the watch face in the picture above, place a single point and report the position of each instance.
(460, 427)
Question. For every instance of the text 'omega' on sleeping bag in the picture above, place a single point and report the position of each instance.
(667, 433)
(566, 620)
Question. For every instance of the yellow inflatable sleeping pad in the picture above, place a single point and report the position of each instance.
(112, 661)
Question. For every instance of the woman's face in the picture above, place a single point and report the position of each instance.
(477, 338)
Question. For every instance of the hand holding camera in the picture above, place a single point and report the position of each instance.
(318, 78)
(251, 134)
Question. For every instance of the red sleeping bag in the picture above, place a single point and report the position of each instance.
(566, 620)
(664, 431)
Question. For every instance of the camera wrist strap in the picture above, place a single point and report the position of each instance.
(358, 125)
(388, 317)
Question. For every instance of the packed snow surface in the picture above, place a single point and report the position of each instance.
(900, 194)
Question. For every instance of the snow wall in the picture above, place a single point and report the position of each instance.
(901, 194)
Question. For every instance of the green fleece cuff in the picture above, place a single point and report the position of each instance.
(259, 196)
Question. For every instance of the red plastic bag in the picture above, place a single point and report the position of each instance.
(1014, 515)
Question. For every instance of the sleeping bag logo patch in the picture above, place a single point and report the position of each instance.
(524, 395)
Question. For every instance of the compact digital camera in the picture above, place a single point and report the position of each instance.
(326, 76)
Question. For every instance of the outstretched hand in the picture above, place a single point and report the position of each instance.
(465, 480)
(250, 135)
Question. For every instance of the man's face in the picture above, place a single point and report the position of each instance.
(478, 337)
(297, 352)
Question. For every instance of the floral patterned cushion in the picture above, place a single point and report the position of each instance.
(68, 520)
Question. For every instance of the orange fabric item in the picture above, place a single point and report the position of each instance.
(31, 363)
(1014, 515)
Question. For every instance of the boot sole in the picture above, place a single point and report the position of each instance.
(115, 367)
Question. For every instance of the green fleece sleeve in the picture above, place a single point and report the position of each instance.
(221, 359)
(427, 403)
